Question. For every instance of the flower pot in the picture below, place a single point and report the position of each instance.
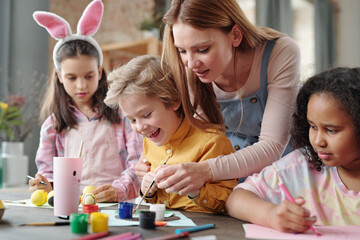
(13, 148)
(14, 164)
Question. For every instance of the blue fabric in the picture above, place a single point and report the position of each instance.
(253, 110)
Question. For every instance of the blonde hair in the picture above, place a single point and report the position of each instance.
(143, 75)
(222, 15)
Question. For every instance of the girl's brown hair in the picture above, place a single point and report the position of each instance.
(56, 99)
(217, 14)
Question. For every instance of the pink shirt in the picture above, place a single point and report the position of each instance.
(283, 85)
(121, 175)
(326, 196)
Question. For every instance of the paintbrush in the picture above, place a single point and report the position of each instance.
(46, 224)
(11, 201)
(147, 191)
(81, 147)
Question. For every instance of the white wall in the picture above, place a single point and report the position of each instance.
(348, 33)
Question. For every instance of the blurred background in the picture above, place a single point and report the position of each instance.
(326, 30)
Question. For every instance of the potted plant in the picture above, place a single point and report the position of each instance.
(13, 131)
(151, 27)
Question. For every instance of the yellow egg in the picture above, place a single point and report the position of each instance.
(39, 197)
(88, 189)
(88, 198)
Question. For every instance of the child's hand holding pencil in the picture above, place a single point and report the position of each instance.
(290, 217)
(39, 182)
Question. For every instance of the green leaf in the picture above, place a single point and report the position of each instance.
(9, 133)
(13, 115)
(16, 122)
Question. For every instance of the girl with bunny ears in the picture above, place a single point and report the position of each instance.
(75, 112)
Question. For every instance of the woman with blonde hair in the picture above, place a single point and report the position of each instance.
(213, 50)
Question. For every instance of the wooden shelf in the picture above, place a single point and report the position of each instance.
(141, 47)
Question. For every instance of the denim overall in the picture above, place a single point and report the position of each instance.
(253, 106)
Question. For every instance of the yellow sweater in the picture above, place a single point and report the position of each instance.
(190, 144)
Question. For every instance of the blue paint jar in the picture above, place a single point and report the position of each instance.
(125, 210)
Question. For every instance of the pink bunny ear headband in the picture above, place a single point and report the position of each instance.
(60, 29)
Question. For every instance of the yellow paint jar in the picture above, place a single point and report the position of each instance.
(99, 222)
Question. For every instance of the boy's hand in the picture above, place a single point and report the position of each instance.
(146, 182)
(290, 217)
(34, 184)
(105, 193)
(142, 167)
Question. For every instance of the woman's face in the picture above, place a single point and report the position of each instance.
(208, 52)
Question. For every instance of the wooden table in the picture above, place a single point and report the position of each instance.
(225, 227)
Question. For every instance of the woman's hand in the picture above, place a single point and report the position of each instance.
(183, 178)
(105, 193)
(146, 182)
(142, 167)
(290, 217)
(34, 184)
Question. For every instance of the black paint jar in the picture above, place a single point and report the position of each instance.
(147, 220)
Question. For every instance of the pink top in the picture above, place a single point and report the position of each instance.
(97, 170)
(326, 196)
(283, 85)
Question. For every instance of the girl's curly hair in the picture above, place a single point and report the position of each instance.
(341, 83)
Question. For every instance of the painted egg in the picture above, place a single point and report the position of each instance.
(88, 198)
(39, 197)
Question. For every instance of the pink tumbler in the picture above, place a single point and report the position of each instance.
(67, 177)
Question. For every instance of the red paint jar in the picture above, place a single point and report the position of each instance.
(90, 208)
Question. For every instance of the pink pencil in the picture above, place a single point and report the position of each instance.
(123, 236)
(291, 199)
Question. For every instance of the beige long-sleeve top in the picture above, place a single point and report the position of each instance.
(283, 85)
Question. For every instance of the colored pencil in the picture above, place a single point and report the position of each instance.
(118, 236)
(170, 236)
(195, 229)
(124, 236)
(93, 236)
(292, 200)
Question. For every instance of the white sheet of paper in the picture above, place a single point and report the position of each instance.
(328, 232)
(114, 221)
(27, 203)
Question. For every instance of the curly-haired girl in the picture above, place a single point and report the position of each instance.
(323, 173)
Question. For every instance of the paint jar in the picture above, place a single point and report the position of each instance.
(79, 223)
(147, 220)
(125, 210)
(159, 210)
(90, 208)
(99, 222)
